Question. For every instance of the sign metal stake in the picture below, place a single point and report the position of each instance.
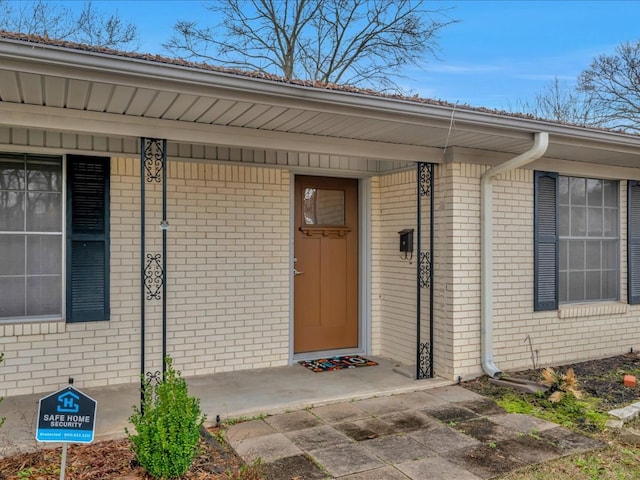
(63, 462)
(67, 415)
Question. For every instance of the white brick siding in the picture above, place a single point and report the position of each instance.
(574, 332)
(227, 284)
(394, 279)
(229, 288)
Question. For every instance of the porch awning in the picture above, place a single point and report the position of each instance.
(45, 85)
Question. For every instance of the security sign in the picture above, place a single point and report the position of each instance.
(67, 415)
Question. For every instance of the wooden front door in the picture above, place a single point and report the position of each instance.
(325, 264)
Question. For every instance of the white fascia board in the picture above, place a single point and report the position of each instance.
(96, 123)
(122, 70)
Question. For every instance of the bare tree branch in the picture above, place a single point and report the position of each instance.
(54, 20)
(97, 29)
(561, 102)
(358, 42)
(612, 84)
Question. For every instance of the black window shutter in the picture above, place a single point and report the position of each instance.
(633, 244)
(87, 239)
(545, 255)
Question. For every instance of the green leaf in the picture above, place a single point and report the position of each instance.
(168, 426)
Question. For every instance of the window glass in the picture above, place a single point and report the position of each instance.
(594, 192)
(577, 191)
(563, 255)
(323, 207)
(44, 212)
(563, 286)
(610, 193)
(588, 240)
(578, 221)
(30, 236)
(563, 190)
(11, 173)
(610, 284)
(12, 293)
(592, 285)
(594, 222)
(576, 286)
(593, 255)
(12, 258)
(44, 176)
(11, 211)
(43, 295)
(564, 220)
(576, 255)
(610, 254)
(610, 222)
(43, 255)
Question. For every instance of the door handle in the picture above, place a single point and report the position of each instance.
(297, 272)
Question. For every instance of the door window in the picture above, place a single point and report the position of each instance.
(323, 207)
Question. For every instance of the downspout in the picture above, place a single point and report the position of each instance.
(540, 144)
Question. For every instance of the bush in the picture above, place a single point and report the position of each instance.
(167, 427)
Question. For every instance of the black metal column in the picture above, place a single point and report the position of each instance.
(424, 350)
(153, 168)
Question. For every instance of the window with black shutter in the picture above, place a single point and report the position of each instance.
(87, 239)
(633, 245)
(545, 241)
(577, 240)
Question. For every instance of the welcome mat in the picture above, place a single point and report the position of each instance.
(337, 363)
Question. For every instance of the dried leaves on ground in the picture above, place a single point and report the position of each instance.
(601, 378)
(114, 459)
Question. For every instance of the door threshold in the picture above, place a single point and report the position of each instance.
(298, 357)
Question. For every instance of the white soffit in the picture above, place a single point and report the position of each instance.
(44, 86)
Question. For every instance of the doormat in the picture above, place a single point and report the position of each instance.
(337, 363)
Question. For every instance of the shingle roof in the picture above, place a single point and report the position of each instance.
(148, 57)
(231, 71)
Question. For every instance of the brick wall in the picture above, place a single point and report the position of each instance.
(227, 282)
(574, 332)
(457, 270)
(445, 264)
(394, 287)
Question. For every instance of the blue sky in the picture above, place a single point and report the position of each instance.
(500, 52)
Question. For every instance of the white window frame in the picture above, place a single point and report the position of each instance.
(61, 233)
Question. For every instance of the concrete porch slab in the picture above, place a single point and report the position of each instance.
(232, 395)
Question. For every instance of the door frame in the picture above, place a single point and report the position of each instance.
(364, 269)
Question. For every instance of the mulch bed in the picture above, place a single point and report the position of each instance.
(600, 378)
(114, 459)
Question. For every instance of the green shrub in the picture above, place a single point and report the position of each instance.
(167, 427)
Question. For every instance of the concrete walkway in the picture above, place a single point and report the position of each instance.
(446, 433)
(357, 424)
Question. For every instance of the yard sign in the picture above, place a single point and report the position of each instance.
(67, 415)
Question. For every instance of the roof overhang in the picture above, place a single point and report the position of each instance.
(45, 86)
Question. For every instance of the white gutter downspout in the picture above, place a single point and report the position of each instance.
(541, 142)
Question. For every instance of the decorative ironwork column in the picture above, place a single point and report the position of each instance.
(153, 169)
(424, 350)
